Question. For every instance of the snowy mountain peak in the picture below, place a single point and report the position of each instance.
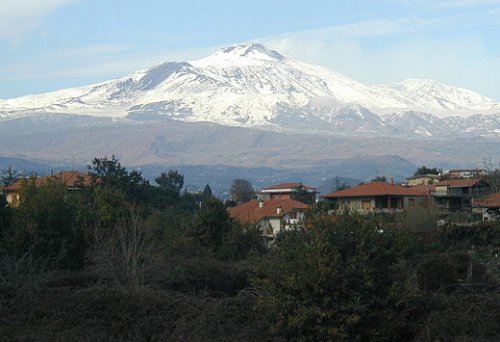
(245, 54)
(250, 85)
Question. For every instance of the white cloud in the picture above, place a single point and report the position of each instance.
(20, 16)
(385, 51)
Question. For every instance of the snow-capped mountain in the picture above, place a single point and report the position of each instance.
(252, 86)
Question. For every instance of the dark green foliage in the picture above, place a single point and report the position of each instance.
(110, 173)
(107, 314)
(162, 198)
(379, 179)
(161, 265)
(45, 222)
(5, 217)
(338, 282)
(207, 193)
(197, 274)
(211, 224)
(480, 234)
(172, 180)
(8, 176)
(423, 170)
(242, 242)
(464, 315)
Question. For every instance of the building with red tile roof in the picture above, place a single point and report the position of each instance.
(71, 179)
(271, 215)
(377, 196)
(491, 207)
(458, 194)
(296, 191)
(466, 173)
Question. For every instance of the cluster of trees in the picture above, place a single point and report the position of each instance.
(125, 260)
(423, 170)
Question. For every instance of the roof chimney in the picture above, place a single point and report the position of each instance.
(261, 204)
(392, 180)
(278, 210)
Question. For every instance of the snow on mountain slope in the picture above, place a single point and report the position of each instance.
(250, 85)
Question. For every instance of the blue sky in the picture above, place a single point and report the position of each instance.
(52, 44)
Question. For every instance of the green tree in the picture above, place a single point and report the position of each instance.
(340, 281)
(207, 193)
(5, 220)
(172, 180)
(423, 170)
(110, 172)
(211, 224)
(46, 225)
(8, 176)
(241, 190)
(379, 179)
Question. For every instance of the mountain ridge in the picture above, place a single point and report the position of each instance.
(252, 86)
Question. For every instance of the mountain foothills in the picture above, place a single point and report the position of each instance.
(275, 111)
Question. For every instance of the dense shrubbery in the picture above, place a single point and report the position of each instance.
(124, 260)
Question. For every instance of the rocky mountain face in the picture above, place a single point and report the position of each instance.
(254, 87)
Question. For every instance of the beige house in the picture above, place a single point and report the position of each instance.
(422, 180)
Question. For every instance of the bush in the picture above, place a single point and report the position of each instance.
(46, 226)
(341, 281)
(202, 274)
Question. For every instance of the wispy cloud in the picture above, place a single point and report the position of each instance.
(101, 62)
(381, 51)
(20, 16)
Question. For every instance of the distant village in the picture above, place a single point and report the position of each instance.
(471, 194)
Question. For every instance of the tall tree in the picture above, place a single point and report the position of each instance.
(207, 193)
(241, 190)
(172, 180)
(8, 176)
(211, 224)
(110, 172)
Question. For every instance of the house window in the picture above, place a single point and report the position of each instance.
(411, 203)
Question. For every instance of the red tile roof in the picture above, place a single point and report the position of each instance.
(375, 189)
(287, 186)
(251, 213)
(459, 182)
(492, 201)
(69, 178)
